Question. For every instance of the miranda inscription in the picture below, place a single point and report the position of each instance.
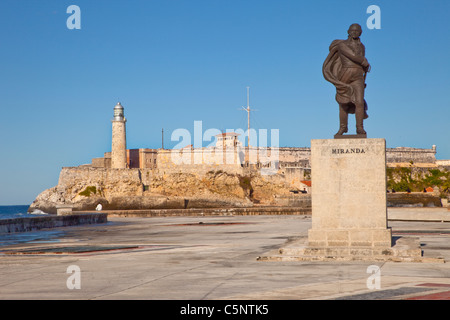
(351, 150)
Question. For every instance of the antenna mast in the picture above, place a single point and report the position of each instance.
(248, 116)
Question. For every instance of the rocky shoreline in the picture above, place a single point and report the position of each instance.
(84, 189)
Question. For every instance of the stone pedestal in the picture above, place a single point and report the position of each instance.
(349, 193)
(349, 213)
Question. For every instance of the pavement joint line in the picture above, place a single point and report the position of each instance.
(150, 281)
(52, 251)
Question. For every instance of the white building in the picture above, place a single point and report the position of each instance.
(228, 139)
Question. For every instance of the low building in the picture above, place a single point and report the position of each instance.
(142, 158)
(305, 185)
(228, 139)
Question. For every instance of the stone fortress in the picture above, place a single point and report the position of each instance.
(228, 153)
(225, 175)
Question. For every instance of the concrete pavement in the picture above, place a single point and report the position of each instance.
(215, 257)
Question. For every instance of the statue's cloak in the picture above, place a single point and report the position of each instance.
(331, 69)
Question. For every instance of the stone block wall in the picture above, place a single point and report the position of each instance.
(405, 155)
(279, 158)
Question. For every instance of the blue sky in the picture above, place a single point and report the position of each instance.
(171, 63)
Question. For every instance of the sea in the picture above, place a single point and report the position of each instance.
(18, 211)
(39, 236)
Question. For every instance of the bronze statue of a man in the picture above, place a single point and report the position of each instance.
(346, 67)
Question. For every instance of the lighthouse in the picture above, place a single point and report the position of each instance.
(119, 140)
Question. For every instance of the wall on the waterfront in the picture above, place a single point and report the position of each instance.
(416, 199)
(50, 221)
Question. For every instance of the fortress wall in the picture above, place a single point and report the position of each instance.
(403, 154)
(209, 156)
(200, 169)
(285, 157)
(295, 155)
(443, 163)
(293, 164)
(147, 175)
(239, 157)
(107, 181)
(200, 161)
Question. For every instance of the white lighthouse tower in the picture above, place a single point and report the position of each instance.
(119, 140)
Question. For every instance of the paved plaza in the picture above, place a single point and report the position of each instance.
(214, 258)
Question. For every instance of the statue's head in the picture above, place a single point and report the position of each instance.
(355, 31)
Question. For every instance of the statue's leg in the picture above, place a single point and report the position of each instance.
(343, 119)
(359, 108)
(359, 115)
